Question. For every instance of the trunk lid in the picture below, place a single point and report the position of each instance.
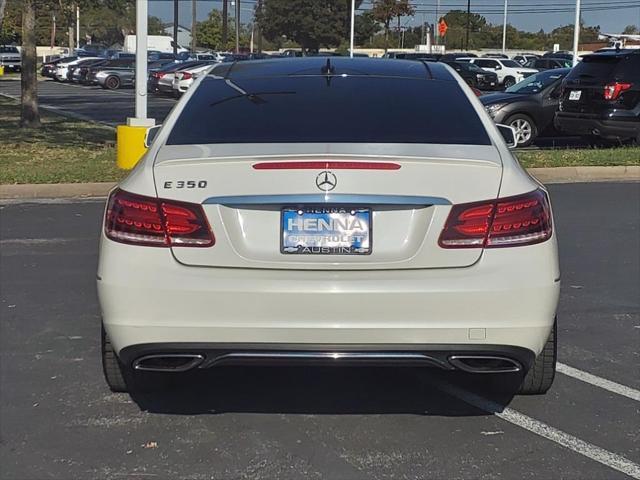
(244, 189)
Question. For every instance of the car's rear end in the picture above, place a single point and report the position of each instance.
(601, 96)
(10, 58)
(280, 216)
(184, 78)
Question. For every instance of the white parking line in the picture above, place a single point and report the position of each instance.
(598, 381)
(593, 452)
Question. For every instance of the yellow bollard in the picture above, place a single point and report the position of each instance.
(130, 145)
(1, 70)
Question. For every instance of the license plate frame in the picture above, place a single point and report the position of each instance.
(352, 216)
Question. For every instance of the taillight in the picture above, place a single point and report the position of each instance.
(140, 220)
(505, 222)
(186, 75)
(613, 90)
(158, 74)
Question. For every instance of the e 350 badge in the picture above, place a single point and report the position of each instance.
(185, 184)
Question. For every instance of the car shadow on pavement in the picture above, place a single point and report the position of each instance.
(326, 390)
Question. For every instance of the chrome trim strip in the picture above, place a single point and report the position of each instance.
(319, 199)
(337, 356)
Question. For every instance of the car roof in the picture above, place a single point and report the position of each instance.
(336, 66)
(614, 53)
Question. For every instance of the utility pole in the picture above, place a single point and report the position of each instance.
(258, 29)
(576, 34)
(237, 26)
(53, 30)
(468, 23)
(353, 27)
(436, 34)
(77, 26)
(175, 26)
(504, 29)
(194, 26)
(225, 23)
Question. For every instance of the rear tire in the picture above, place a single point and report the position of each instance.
(112, 83)
(539, 378)
(509, 82)
(119, 377)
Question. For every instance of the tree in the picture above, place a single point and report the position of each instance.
(29, 116)
(310, 23)
(155, 26)
(366, 27)
(386, 10)
(630, 30)
(3, 5)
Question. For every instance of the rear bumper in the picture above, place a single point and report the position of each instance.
(446, 357)
(578, 124)
(508, 298)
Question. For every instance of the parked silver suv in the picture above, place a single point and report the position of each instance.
(10, 58)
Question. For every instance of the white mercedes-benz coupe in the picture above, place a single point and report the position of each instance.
(341, 211)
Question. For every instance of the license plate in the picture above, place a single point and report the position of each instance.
(575, 94)
(326, 231)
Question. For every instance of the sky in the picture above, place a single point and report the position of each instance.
(609, 14)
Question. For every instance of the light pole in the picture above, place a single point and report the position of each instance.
(468, 23)
(504, 29)
(576, 34)
(131, 137)
(175, 26)
(237, 26)
(77, 26)
(194, 25)
(141, 119)
(353, 26)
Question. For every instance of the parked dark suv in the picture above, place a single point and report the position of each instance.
(601, 96)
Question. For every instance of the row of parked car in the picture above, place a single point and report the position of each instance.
(507, 72)
(119, 70)
(598, 99)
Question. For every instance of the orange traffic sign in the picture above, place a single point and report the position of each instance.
(442, 27)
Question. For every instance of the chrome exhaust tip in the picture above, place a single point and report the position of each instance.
(485, 364)
(173, 362)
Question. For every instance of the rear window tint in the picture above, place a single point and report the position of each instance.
(608, 67)
(319, 109)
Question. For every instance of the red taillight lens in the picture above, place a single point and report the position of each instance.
(186, 75)
(613, 90)
(139, 220)
(507, 222)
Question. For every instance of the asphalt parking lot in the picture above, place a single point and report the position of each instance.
(92, 102)
(59, 420)
(114, 107)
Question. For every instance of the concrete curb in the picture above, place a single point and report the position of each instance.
(55, 190)
(629, 173)
(623, 173)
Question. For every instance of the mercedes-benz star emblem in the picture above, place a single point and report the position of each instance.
(326, 181)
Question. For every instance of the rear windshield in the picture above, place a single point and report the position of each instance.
(510, 64)
(608, 67)
(320, 109)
